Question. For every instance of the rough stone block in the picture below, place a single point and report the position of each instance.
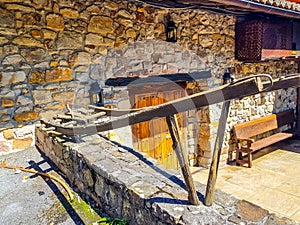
(88, 178)
(49, 34)
(204, 129)
(27, 41)
(111, 5)
(39, 134)
(4, 117)
(58, 150)
(100, 186)
(131, 33)
(114, 197)
(7, 18)
(8, 134)
(33, 55)
(19, 7)
(13, 59)
(22, 143)
(7, 103)
(36, 77)
(69, 13)
(80, 58)
(69, 40)
(205, 162)
(101, 25)
(93, 39)
(4, 147)
(58, 74)
(250, 212)
(64, 96)
(24, 100)
(8, 78)
(204, 142)
(41, 96)
(24, 109)
(26, 116)
(55, 21)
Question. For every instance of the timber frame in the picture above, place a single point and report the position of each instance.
(68, 125)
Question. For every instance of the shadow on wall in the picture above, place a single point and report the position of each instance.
(163, 172)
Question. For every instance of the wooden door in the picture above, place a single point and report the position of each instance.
(153, 137)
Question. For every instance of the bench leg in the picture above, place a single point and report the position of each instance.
(238, 156)
(249, 159)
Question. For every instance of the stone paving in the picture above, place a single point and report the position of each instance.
(272, 183)
(151, 195)
(130, 185)
(29, 199)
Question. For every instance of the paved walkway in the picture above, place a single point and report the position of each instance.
(29, 199)
(272, 183)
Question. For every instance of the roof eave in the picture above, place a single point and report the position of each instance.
(250, 6)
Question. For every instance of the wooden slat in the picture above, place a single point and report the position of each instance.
(255, 127)
(115, 112)
(264, 124)
(270, 140)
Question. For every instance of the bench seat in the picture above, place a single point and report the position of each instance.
(270, 140)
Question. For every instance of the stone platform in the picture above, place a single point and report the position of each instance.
(132, 186)
(272, 183)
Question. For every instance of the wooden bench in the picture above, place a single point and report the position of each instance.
(245, 132)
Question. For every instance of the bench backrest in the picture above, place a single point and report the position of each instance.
(285, 117)
(264, 124)
(255, 127)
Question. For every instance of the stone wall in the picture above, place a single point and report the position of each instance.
(60, 41)
(135, 187)
(52, 50)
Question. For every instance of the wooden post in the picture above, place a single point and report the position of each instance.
(298, 106)
(298, 113)
(183, 162)
(213, 171)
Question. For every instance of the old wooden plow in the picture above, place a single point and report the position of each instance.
(82, 122)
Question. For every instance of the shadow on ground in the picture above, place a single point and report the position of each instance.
(33, 199)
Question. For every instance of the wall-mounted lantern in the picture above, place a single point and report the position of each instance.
(227, 78)
(171, 31)
(96, 94)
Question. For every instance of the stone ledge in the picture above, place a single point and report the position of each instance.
(135, 187)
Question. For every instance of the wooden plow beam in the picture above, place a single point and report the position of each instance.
(225, 93)
(195, 101)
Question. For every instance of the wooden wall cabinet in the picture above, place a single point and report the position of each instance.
(263, 39)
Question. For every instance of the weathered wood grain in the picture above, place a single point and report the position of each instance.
(182, 159)
(195, 101)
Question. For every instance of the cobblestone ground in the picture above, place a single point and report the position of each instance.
(29, 199)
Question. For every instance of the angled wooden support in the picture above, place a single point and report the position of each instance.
(213, 171)
(182, 159)
(223, 93)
